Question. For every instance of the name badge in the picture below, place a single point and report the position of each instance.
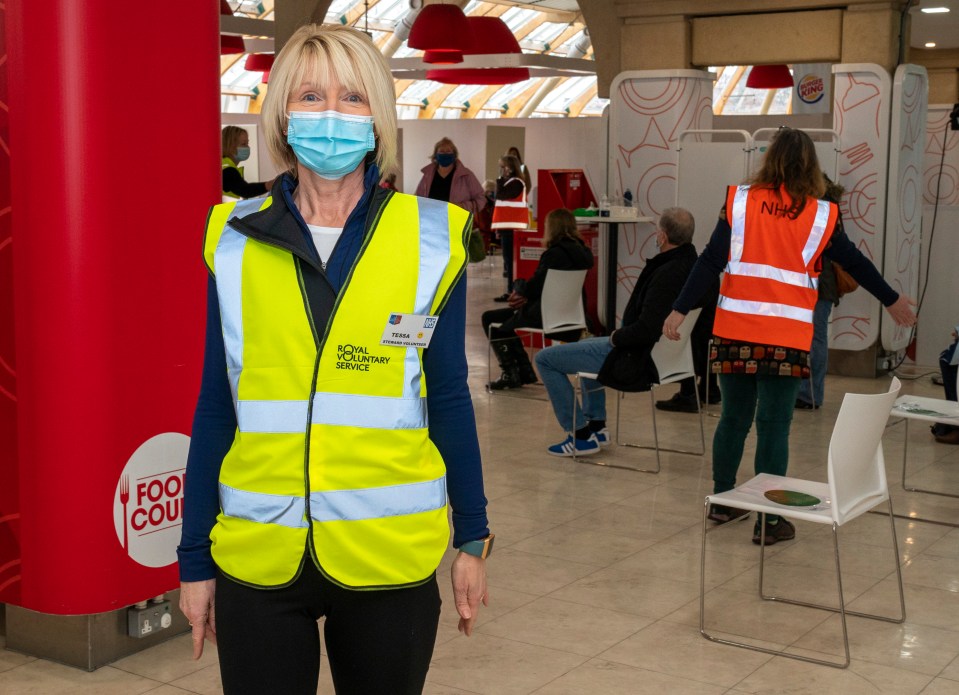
(409, 330)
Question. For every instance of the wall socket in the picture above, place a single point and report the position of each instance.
(147, 621)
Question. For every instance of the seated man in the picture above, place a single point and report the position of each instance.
(625, 350)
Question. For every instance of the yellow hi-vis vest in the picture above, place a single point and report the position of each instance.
(332, 450)
(230, 164)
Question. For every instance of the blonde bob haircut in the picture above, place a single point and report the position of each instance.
(320, 54)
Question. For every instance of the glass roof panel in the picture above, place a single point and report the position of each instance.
(340, 7)
(516, 17)
(507, 92)
(388, 11)
(544, 33)
(566, 93)
(238, 79)
(463, 93)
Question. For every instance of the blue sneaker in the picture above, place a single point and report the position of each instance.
(603, 436)
(575, 447)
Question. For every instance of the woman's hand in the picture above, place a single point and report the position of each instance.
(901, 312)
(469, 589)
(671, 325)
(196, 602)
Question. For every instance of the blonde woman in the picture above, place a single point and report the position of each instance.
(319, 469)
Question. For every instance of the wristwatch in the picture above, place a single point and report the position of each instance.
(481, 548)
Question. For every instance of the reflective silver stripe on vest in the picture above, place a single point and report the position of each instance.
(277, 417)
(818, 229)
(285, 510)
(769, 272)
(739, 223)
(379, 412)
(378, 502)
(434, 251)
(348, 410)
(335, 505)
(785, 311)
(228, 265)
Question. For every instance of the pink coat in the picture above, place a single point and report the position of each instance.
(465, 189)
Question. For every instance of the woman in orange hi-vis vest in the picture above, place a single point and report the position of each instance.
(769, 239)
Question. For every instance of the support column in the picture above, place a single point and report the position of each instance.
(111, 183)
(871, 35)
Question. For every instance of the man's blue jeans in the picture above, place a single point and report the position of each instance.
(818, 355)
(556, 362)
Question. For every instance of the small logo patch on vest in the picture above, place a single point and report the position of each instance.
(357, 358)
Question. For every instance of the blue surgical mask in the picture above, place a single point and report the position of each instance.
(242, 154)
(445, 159)
(329, 143)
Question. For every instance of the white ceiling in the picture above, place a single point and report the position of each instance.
(943, 29)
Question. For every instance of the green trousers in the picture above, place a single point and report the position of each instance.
(769, 400)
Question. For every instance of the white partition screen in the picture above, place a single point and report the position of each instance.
(861, 117)
(907, 140)
(709, 161)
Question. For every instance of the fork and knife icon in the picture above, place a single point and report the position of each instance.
(124, 499)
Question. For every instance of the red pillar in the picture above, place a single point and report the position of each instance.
(114, 160)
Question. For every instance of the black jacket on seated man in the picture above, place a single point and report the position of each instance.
(629, 366)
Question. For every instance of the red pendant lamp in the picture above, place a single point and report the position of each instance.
(442, 57)
(489, 35)
(769, 77)
(260, 62)
(229, 43)
(440, 28)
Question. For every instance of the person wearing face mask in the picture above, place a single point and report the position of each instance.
(447, 178)
(328, 440)
(624, 354)
(236, 149)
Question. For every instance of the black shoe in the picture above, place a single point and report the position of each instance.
(510, 379)
(941, 429)
(803, 405)
(502, 298)
(782, 530)
(678, 404)
(721, 513)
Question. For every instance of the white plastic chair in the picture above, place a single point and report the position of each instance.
(857, 483)
(561, 306)
(674, 362)
(928, 410)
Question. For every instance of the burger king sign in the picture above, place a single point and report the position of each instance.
(811, 89)
(811, 93)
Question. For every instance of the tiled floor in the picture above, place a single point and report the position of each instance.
(595, 579)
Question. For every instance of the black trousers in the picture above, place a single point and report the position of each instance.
(377, 642)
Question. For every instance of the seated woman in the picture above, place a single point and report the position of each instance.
(565, 250)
